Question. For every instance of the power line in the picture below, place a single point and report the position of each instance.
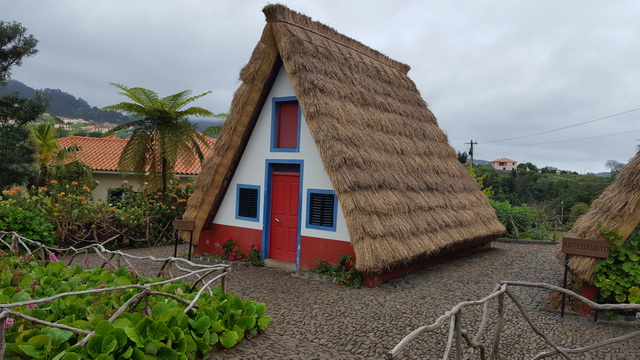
(580, 139)
(564, 127)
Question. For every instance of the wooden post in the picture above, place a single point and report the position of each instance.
(499, 325)
(458, 332)
(564, 284)
(184, 225)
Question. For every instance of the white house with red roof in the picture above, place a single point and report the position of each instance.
(504, 164)
(102, 155)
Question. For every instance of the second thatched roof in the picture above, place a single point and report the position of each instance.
(618, 207)
(402, 190)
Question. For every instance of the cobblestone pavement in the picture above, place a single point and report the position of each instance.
(319, 320)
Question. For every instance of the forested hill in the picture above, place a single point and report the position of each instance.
(67, 105)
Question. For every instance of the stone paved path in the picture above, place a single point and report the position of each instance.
(319, 320)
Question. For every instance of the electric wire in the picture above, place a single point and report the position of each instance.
(579, 139)
(564, 127)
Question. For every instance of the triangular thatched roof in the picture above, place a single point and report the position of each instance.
(403, 192)
(618, 207)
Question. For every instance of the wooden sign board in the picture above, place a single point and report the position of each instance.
(586, 247)
(187, 225)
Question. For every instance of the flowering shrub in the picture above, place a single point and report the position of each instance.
(71, 211)
(255, 255)
(231, 252)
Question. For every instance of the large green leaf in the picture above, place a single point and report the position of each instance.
(165, 353)
(264, 321)
(135, 336)
(202, 324)
(57, 336)
(127, 353)
(38, 341)
(109, 344)
(228, 338)
(71, 356)
(202, 346)
(31, 351)
(94, 345)
(158, 309)
(121, 337)
(103, 328)
(246, 322)
(157, 331)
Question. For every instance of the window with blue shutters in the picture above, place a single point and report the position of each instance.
(321, 209)
(247, 202)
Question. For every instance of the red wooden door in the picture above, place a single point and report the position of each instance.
(283, 234)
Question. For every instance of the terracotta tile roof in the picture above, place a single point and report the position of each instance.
(504, 160)
(102, 154)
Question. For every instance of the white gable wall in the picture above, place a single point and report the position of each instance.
(252, 167)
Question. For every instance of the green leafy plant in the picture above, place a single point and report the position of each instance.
(157, 327)
(344, 272)
(618, 276)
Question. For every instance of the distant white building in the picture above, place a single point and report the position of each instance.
(504, 164)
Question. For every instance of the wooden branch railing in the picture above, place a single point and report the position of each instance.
(198, 272)
(460, 337)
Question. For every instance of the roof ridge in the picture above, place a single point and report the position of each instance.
(281, 13)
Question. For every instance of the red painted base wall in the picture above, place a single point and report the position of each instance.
(211, 240)
(312, 249)
(373, 280)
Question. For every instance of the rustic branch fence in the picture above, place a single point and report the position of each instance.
(206, 275)
(460, 337)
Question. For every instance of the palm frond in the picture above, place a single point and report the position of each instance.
(176, 101)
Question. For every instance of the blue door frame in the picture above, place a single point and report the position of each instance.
(266, 226)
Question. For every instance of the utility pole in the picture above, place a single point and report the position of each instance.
(471, 143)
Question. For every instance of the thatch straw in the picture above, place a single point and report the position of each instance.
(398, 181)
(618, 207)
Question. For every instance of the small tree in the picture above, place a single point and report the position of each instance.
(614, 167)
(161, 132)
(16, 149)
(15, 45)
(462, 157)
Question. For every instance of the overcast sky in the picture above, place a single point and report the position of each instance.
(489, 70)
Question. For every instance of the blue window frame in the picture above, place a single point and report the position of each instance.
(248, 202)
(322, 207)
(292, 130)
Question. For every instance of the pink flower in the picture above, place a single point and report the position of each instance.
(52, 257)
(229, 238)
(84, 263)
(230, 258)
(31, 306)
(9, 321)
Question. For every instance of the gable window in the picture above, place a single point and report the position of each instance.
(247, 202)
(285, 128)
(321, 209)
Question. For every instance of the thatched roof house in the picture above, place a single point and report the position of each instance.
(366, 140)
(618, 207)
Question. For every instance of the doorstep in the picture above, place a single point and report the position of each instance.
(279, 264)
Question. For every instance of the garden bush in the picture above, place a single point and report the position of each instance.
(30, 223)
(143, 216)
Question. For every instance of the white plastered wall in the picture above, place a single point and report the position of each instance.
(252, 167)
